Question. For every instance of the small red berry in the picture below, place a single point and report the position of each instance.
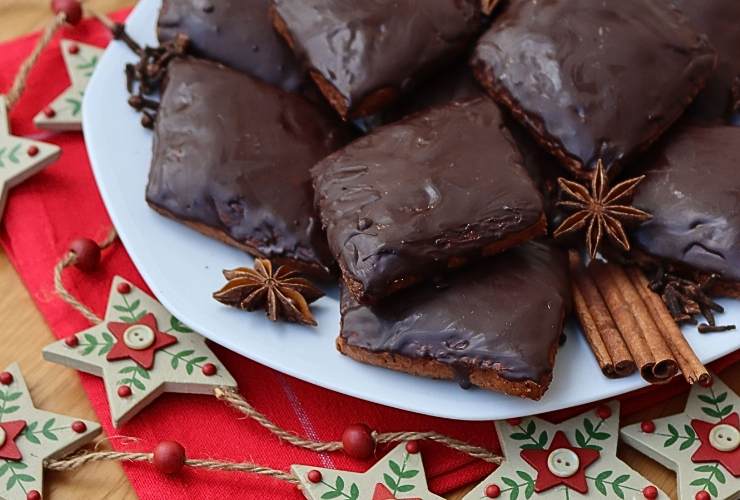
(702, 495)
(412, 447)
(514, 421)
(49, 112)
(358, 441)
(209, 369)
(6, 378)
(72, 341)
(32, 151)
(74, 49)
(650, 492)
(603, 412)
(33, 495)
(123, 288)
(124, 391)
(314, 476)
(87, 254)
(71, 8)
(706, 382)
(169, 457)
(79, 426)
(648, 426)
(493, 491)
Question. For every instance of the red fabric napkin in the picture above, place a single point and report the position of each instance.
(62, 203)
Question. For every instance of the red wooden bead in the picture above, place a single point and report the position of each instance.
(124, 391)
(6, 378)
(707, 382)
(650, 492)
(209, 369)
(74, 49)
(32, 151)
(314, 476)
(412, 447)
(79, 426)
(72, 341)
(358, 441)
(72, 8)
(87, 254)
(49, 112)
(493, 491)
(603, 412)
(514, 421)
(648, 426)
(123, 288)
(702, 495)
(169, 457)
(33, 495)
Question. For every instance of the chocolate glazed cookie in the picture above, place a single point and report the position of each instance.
(232, 158)
(593, 79)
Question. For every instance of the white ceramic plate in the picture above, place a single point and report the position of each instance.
(183, 268)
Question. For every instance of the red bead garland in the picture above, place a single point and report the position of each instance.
(169, 457)
(71, 8)
(358, 441)
(87, 254)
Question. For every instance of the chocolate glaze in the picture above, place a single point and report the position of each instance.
(363, 46)
(693, 191)
(504, 314)
(237, 33)
(234, 154)
(720, 20)
(402, 201)
(593, 79)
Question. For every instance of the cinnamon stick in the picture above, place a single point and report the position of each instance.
(692, 368)
(624, 319)
(591, 332)
(665, 366)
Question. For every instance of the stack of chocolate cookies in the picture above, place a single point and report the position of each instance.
(409, 148)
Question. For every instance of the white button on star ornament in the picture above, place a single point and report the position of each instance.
(398, 475)
(141, 351)
(573, 460)
(19, 158)
(702, 444)
(29, 436)
(65, 112)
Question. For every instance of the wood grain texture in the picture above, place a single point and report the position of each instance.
(58, 389)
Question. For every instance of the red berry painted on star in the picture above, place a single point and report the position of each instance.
(6, 378)
(707, 382)
(650, 492)
(79, 426)
(412, 447)
(123, 288)
(74, 49)
(493, 491)
(358, 441)
(49, 112)
(87, 254)
(123, 391)
(514, 421)
(72, 341)
(33, 495)
(314, 476)
(603, 412)
(32, 151)
(209, 369)
(169, 457)
(702, 495)
(72, 9)
(648, 426)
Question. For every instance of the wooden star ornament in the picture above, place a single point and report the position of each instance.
(141, 351)
(398, 475)
(20, 158)
(571, 460)
(65, 112)
(702, 444)
(29, 436)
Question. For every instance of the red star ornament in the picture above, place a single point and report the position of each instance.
(383, 493)
(709, 434)
(540, 461)
(9, 431)
(138, 341)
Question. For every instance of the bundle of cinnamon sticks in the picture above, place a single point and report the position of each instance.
(628, 326)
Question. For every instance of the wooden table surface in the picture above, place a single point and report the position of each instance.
(58, 389)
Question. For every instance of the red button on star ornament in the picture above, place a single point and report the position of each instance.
(138, 341)
(383, 493)
(9, 431)
(719, 443)
(561, 464)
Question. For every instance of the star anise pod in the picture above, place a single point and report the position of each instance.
(282, 293)
(601, 210)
